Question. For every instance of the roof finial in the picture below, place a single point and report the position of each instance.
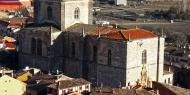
(51, 29)
(129, 37)
(162, 32)
(83, 34)
(136, 27)
(99, 35)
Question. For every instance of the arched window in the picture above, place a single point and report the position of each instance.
(49, 13)
(144, 57)
(77, 13)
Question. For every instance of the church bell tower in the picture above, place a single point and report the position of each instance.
(63, 13)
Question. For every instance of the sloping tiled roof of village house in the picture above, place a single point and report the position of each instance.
(16, 22)
(165, 89)
(10, 2)
(178, 90)
(69, 83)
(72, 82)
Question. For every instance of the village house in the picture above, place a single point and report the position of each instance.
(13, 5)
(75, 85)
(11, 86)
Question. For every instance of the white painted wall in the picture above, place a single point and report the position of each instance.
(75, 89)
(134, 59)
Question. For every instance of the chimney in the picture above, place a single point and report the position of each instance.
(51, 29)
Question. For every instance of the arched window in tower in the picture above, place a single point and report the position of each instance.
(77, 13)
(49, 13)
(144, 57)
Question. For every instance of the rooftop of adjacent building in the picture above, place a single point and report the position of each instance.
(69, 83)
(121, 91)
(165, 89)
(7, 43)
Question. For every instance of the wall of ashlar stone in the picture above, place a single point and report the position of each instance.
(115, 73)
(51, 60)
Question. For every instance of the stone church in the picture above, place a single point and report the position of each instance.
(63, 38)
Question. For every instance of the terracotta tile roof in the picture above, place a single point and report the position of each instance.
(15, 22)
(1, 41)
(111, 33)
(104, 30)
(72, 83)
(112, 91)
(9, 39)
(169, 89)
(122, 34)
(38, 87)
(10, 46)
(13, 2)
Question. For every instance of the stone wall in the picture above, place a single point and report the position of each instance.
(113, 74)
(51, 58)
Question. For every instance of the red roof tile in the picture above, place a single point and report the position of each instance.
(16, 22)
(1, 41)
(13, 5)
(123, 34)
(10, 46)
